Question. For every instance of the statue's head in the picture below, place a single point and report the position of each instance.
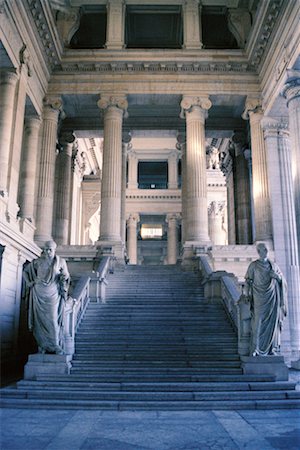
(49, 249)
(262, 250)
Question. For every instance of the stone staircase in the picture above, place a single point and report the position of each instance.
(155, 344)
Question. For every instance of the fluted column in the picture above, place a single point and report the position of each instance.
(28, 173)
(195, 110)
(181, 145)
(132, 170)
(173, 170)
(62, 212)
(126, 138)
(261, 197)
(292, 94)
(171, 220)
(115, 24)
(192, 25)
(132, 222)
(241, 192)
(284, 218)
(8, 81)
(45, 191)
(110, 222)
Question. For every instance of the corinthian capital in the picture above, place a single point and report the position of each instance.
(252, 104)
(188, 102)
(118, 101)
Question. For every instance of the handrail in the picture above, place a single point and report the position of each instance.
(91, 286)
(225, 287)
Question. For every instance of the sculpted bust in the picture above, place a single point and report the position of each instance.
(47, 278)
(268, 304)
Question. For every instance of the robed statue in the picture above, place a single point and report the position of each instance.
(267, 293)
(47, 279)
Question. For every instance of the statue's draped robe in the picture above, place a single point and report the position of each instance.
(46, 301)
(267, 298)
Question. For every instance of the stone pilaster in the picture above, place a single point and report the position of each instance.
(292, 94)
(215, 223)
(241, 191)
(115, 24)
(8, 82)
(110, 222)
(173, 170)
(196, 227)
(227, 169)
(284, 221)
(192, 25)
(172, 221)
(132, 169)
(260, 186)
(132, 222)
(28, 172)
(45, 191)
(126, 138)
(63, 196)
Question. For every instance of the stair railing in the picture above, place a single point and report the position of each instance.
(224, 286)
(90, 287)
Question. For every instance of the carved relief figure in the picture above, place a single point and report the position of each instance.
(268, 303)
(47, 278)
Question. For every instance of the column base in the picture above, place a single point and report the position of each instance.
(265, 365)
(295, 364)
(112, 248)
(46, 364)
(192, 249)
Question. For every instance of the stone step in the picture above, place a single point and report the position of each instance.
(150, 405)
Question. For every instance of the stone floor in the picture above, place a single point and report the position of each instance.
(23, 429)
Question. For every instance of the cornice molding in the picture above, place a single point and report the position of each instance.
(150, 67)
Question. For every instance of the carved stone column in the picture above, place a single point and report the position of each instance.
(110, 222)
(284, 220)
(215, 223)
(241, 192)
(292, 94)
(195, 111)
(28, 173)
(192, 25)
(171, 220)
(181, 145)
(173, 170)
(126, 138)
(227, 169)
(261, 197)
(132, 169)
(115, 24)
(132, 222)
(45, 191)
(62, 212)
(8, 81)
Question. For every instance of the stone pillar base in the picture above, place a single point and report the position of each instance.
(192, 249)
(112, 248)
(46, 364)
(265, 365)
(295, 364)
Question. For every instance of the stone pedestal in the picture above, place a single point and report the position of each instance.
(44, 364)
(132, 222)
(172, 238)
(132, 170)
(115, 24)
(192, 25)
(265, 365)
(173, 170)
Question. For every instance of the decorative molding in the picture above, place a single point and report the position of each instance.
(44, 31)
(25, 59)
(292, 90)
(167, 67)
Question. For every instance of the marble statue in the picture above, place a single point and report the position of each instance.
(267, 292)
(47, 278)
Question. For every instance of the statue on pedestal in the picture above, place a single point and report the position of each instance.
(47, 278)
(267, 292)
